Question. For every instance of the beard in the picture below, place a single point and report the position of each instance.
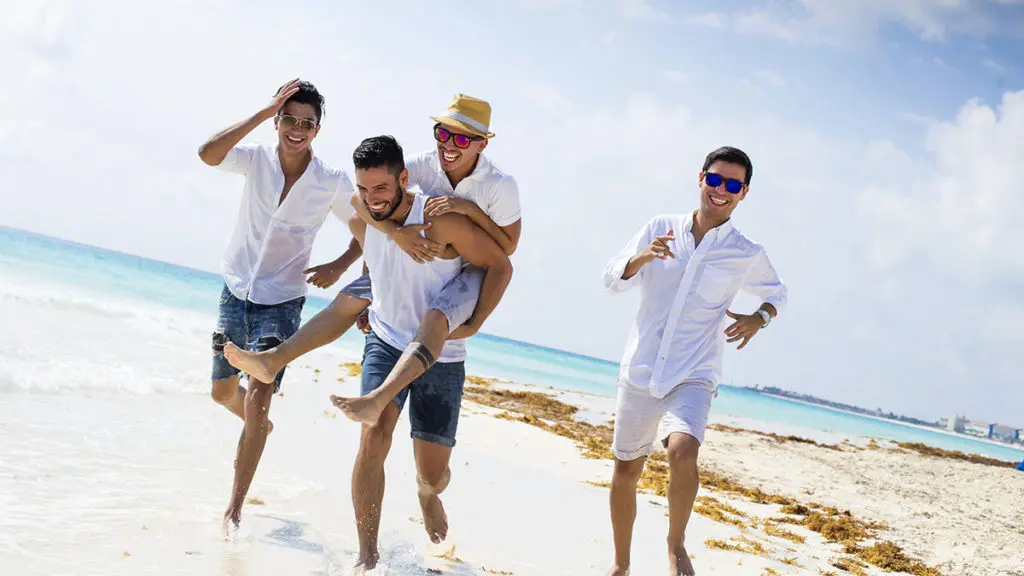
(394, 204)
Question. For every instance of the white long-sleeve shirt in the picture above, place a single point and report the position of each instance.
(678, 333)
(272, 240)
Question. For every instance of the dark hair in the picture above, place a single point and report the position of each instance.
(378, 151)
(732, 156)
(308, 94)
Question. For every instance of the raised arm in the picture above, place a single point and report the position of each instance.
(215, 150)
(651, 242)
(480, 250)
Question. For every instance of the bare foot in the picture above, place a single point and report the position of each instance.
(365, 409)
(230, 524)
(617, 571)
(258, 365)
(679, 563)
(435, 520)
(365, 563)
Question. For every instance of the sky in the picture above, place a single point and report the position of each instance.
(887, 138)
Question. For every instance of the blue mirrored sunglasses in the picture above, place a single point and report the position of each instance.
(732, 185)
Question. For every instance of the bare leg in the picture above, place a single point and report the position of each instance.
(622, 501)
(368, 483)
(231, 395)
(682, 491)
(325, 327)
(250, 446)
(366, 409)
(432, 477)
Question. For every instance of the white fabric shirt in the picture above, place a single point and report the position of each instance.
(494, 191)
(403, 290)
(678, 333)
(272, 241)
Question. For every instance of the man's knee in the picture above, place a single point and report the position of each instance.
(257, 398)
(682, 450)
(348, 305)
(433, 481)
(375, 439)
(627, 472)
(223, 391)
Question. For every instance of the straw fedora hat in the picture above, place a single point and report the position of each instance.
(467, 114)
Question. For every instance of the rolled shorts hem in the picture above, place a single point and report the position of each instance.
(433, 438)
(643, 452)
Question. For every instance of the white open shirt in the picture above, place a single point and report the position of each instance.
(678, 333)
(271, 243)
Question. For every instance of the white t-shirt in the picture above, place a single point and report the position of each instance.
(272, 241)
(403, 290)
(494, 191)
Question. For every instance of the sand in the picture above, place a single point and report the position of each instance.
(113, 483)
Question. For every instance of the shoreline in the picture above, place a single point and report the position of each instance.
(1018, 447)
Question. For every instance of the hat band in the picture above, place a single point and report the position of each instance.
(466, 120)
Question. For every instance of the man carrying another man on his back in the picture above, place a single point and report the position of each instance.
(402, 292)
(458, 178)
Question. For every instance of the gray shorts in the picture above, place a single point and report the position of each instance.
(457, 300)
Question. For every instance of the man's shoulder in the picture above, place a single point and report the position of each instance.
(335, 178)
(495, 174)
(737, 240)
(424, 158)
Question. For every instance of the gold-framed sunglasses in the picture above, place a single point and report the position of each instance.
(287, 121)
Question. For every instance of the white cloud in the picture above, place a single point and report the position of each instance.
(769, 78)
(709, 19)
(640, 10)
(994, 66)
(959, 206)
(940, 63)
(851, 21)
(675, 76)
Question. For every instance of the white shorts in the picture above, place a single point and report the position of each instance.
(638, 414)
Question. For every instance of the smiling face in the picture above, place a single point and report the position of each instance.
(296, 127)
(718, 201)
(380, 190)
(457, 149)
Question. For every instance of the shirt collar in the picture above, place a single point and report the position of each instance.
(717, 233)
(480, 172)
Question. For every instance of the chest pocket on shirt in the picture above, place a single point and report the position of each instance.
(715, 283)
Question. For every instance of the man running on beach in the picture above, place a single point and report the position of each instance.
(286, 197)
(672, 362)
(460, 179)
(402, 292)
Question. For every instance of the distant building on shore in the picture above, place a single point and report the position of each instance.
(990, 430)
(954, 423)
(1004, 433)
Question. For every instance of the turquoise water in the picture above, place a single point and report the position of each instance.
(33, 262)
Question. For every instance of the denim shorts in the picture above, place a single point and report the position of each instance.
(252, 326)
(434, 398)
(457, 299)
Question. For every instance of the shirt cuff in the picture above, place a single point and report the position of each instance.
(613, 281)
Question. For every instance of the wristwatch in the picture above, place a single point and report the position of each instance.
(766, 317)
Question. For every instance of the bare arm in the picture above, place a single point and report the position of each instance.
(481, 251)
(213, 151)
(408, 238)
(506, 236)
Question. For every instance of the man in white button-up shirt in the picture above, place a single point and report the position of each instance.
(459, 179)
(287, 195)
(689, 268)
